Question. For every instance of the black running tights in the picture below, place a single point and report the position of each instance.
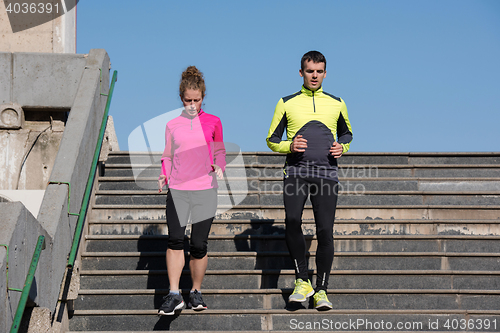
(323, 194)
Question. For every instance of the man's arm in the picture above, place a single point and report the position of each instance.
(344, 130)
(276, 130)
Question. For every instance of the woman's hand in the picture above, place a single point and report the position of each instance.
(218, 171)
(161, 182)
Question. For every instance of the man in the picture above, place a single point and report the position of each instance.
(312, 118)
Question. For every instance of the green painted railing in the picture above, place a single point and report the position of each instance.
(40, 245)
(90, 181)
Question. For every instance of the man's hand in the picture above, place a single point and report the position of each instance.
(218, 171)
(299, 144)
(336, 149)
(161, 182)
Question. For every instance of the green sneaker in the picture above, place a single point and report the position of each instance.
(321, 301)
(302, 290)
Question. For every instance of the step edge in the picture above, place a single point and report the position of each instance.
(310, 254)
(288, 290)
(279, 312)
(292, 272)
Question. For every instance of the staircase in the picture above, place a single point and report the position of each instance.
(417, 247)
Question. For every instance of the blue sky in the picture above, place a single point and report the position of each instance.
(416, 75)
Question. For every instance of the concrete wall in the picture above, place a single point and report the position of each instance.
(55, 36)
(20, 231)
(84, 92)
(40, 80)
(44, 86)
(72, 165)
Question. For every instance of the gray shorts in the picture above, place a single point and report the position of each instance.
(195, 206)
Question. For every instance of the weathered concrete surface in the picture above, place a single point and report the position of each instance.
(31, 199)
(28, 157)
(110, 141)
(56, 36)
(43, 80)
(45, 86)
(36, 320)
(20, 231)
(52, 149)
(5, 76)
(72, 165)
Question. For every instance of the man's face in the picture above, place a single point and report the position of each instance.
(313, 74)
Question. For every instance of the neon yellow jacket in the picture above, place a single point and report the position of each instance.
(319, 117)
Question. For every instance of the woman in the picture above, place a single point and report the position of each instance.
(194, 155)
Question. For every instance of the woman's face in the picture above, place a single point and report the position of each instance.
(192, 101)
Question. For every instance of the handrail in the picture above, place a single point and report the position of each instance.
(27, 285)
(90, 181)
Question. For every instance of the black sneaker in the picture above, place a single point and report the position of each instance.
(172, 302)
(196, 302)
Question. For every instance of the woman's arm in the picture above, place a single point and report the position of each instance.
(166, 161)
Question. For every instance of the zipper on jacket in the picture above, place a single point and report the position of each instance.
(191, 124)
(314, 105)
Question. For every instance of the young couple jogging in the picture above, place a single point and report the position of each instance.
(318, 132)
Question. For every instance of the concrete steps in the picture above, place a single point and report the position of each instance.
(344, 244)
(487, 281)
(343, 261)
(342, 228)
(279, 320)
(275, 198)
(369, 212)
(417, 241)
(386, 299)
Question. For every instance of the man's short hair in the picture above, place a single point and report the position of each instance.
(313, 56)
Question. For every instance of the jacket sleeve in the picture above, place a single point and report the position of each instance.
(344, 130)
(166, 157)
(278, 125)
(219, 148)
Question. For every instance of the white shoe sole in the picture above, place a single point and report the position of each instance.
(302, 299)
(199, 308)
(178, 307)
(323, 307)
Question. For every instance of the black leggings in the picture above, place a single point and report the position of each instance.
(201, 206)
(323, 194)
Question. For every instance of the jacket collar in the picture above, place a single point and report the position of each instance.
(185, 115)
(309, 92)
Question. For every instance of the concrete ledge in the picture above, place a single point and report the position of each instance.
(20, 231)
(72, 165)
(46, 80)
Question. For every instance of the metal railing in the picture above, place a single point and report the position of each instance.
(40, 245)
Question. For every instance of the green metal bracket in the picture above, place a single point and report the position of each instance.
(69, 194)
(7, 269)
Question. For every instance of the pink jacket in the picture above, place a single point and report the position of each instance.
(192, 145)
